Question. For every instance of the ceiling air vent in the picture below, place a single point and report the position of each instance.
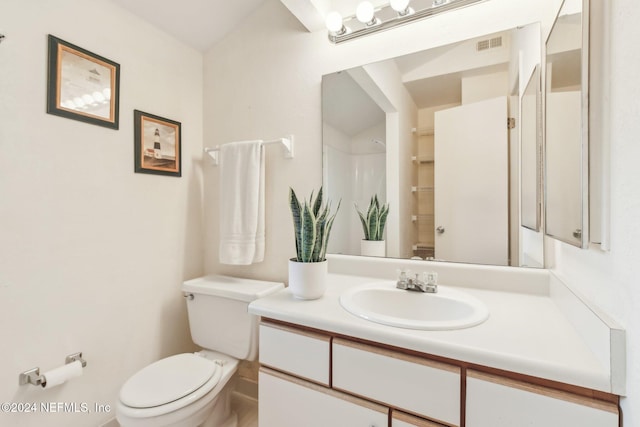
(489, 44)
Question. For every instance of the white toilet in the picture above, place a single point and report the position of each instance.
(192, 389)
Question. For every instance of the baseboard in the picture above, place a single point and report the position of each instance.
(111, 423)
(247, 387)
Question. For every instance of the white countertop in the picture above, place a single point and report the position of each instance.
(525, 333)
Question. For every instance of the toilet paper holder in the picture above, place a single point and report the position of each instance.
(32, 376)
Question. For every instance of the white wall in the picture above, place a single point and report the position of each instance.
(483, 87)
(92, 254)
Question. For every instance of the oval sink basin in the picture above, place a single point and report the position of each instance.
(382, 302)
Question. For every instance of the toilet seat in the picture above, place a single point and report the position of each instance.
(169, 384)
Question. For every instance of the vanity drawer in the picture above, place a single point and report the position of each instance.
(494, 401)
(286, 401)
(300, 353)
(422, 387)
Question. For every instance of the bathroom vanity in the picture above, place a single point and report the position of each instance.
(542, 358)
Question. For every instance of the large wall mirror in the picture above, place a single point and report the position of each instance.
(566, 127)
(429, 133)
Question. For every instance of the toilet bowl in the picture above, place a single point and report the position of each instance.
(194, 389)
(179, 391)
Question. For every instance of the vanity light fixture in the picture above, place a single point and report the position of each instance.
(369, 19)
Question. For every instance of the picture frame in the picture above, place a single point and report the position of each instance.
(81, 85)
(157, 144)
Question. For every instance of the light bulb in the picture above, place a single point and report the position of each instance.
(401, 6)
(364, 13)
(334, 22)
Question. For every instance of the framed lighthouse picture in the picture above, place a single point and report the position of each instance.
(157, 145)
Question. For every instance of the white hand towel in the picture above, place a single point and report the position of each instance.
(242, 203)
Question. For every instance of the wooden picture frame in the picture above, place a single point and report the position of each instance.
(82, 85)
(157, 144)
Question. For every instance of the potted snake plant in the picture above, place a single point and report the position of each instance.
(312, 222)
(373, 223)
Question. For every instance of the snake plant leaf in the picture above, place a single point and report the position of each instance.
(308, 233)
(363, 221)
(327, 232)
(318, 202)
(320, 227)
(373, 219)
(294, 206)
(384, 212)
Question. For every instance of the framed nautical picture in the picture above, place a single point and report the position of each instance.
(158, 144)
(82, 85)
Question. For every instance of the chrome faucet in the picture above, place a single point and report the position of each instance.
(427, 284)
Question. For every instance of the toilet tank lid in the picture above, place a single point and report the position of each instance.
(231, 287)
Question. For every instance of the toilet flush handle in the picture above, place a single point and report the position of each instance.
(189, 296)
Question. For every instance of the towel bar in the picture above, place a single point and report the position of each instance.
(287, 143)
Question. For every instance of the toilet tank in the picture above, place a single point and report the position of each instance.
(218, 313)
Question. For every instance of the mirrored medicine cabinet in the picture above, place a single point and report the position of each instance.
(567, 126)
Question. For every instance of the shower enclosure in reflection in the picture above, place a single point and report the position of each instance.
(356, 155)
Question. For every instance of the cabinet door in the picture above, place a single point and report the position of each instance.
(286, 401)
(498, 402)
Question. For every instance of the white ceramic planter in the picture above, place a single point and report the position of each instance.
(307, 280)
(373, 248)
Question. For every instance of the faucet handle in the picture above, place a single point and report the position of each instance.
(403, 274)
(430, 278)
(403, 279)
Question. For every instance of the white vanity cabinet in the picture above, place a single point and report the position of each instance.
(286, 401)
(494, 401)
(316, 378)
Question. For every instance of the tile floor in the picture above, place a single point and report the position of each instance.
(247, 409)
